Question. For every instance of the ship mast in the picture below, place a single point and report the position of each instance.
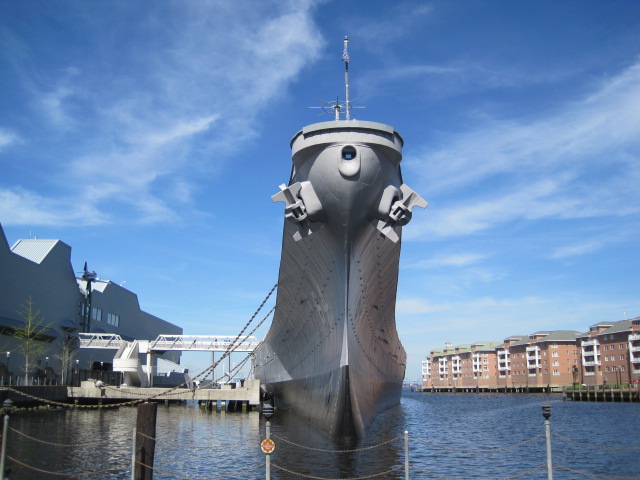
(345, 58)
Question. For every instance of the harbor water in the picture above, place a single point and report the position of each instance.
(458, 436)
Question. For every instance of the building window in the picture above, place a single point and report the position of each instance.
(622, 368)
(555, 354)
(556, 363)
(556, 372)
(622, 345)
(621, 357)
(96, 314)
(113, 319)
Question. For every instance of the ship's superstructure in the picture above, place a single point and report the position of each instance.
(332, 353)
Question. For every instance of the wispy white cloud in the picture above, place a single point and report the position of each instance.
(412, 306)
(189, 92)
(21, 207)
(456, 260)
(7, 138)
(577, 249)
(581, 161)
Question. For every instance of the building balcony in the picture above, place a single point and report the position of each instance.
(592, 363)
(589, 374)
(590, 343)
(635, 348)
(634, 336)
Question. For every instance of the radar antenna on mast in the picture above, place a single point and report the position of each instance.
(345, 58)
(336, 106)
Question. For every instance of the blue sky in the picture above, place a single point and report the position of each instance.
(150, 136)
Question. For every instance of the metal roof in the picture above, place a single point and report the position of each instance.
(621, 326)
(34, 249)
(559, 336)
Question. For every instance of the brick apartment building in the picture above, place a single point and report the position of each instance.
(609, 353)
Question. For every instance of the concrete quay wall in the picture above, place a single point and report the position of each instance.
(88, 391)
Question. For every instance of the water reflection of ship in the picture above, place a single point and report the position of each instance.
(307, 452)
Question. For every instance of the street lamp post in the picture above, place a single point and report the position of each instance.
(8, 374)
(46, 369)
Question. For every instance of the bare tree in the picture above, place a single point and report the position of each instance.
(66, 356)
(31, 336)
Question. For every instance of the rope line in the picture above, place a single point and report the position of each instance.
(490, 450)
(601, 447)
(190, 447)
(394, 469)
(83, 444)
(71, 474)
(334, 451)
(442, 477)
(199, 477)
(595, 475)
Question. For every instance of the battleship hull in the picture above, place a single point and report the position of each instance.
(332, 354)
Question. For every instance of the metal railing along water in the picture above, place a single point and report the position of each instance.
(409, 467)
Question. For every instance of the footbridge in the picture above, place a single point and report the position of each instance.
(126, 359)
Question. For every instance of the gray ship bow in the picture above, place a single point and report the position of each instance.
(332, 354)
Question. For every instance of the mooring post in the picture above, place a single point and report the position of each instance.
(133, 455)
(268, 459)
(406, 455)
(6, 406)
(145, 440)
(267, 444)
(546, 413)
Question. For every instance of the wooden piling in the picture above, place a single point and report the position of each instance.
(145, 441)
